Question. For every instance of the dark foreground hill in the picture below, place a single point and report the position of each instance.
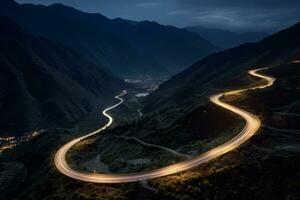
(124, 47)
(44, 84)
(212, 71)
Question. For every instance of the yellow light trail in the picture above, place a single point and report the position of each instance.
(252, 125)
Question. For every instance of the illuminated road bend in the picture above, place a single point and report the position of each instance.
(252, 125)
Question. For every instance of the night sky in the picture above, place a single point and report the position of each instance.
(239, 15)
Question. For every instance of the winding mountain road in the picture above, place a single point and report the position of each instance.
(252, 125)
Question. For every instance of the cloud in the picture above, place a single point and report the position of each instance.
(148, 4)
(242, 14)
(240, 3)
(263, 15)
(178, 12)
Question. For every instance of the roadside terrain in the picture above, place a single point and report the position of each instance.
(267, 167)
(269, 154)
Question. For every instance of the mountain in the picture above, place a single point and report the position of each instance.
(211, 72)
(126, 48)
(226, 39)
(265, 167)
(44, 84)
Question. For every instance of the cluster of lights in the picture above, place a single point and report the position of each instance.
(11, 142)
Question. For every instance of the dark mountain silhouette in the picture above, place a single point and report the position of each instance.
(227, 39)
(125, 47)
(214, 70)
(44, 84)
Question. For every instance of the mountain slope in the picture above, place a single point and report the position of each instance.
(214, 70)
(174, 48)
(44, 84)
(266, 167)
(226, 39)
(121, 46)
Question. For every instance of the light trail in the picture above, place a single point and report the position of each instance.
(252, 125)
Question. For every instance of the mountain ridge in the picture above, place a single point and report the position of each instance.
(225, 38)
(126, 51)
(210, 72)
(45, 84)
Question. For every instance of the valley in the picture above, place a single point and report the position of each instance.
(251, 127)
(261, 152)
(169, 100)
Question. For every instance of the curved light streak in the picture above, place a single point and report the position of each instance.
(252, 125)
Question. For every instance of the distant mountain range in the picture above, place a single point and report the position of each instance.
(227, 39)
(44, 84)
(213, 71)
(124, 47)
